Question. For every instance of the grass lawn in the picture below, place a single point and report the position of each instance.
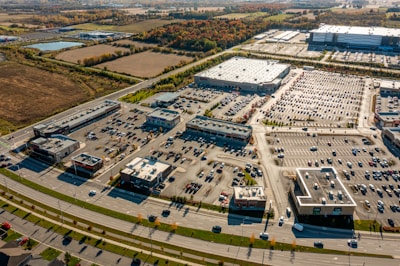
(279, 17)
(73, 261)
(366, 225)
(50, 254)
(11, 235)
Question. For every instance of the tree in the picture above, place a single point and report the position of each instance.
(174, 226)
(252, 239)
(67, 258)
(157, 222)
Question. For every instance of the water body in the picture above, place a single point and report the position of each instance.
(54, 46)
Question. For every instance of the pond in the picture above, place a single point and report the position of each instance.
(54, 46)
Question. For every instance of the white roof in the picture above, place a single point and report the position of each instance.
(240, 69)
(378, 31)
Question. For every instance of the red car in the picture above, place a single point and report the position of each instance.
(21, 241)
(6, 226)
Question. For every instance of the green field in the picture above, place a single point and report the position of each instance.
(279, 17)
(138, 27)
(243, 15)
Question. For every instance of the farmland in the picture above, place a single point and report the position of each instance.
(76, 55)
(136, 44)
(138, 27)
(52, 93)
(147, 64)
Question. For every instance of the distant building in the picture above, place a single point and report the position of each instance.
(166, 99)
(77, 120)
(164, 118)
(238, 73)
(249, 198)
(96, 35)
(86, 164)
(353, 37)
(145, 173)
(54, 148)
(320, 191)
(219, 130)
(389, 88)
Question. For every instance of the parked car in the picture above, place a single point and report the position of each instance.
(6, 226)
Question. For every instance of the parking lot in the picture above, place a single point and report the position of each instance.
(369, 172)
(115, 136)
(319, 98)
(288, 49)
(365, 57)
(203, 170)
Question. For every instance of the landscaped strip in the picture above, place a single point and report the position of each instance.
(232, 240)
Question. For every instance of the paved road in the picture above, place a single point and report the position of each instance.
(89, 254)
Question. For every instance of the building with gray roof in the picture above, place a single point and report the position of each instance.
(86, 164)
(244, 74)
(320, 191)
(216, 129)
(166, 99)
(164, 118)
(75, 121)
(53, 149)
(376, 38)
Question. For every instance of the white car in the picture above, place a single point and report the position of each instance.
(281, 221)
(92, 192)
(264, 235)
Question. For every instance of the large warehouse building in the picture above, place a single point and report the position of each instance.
(238, 73)
(373, 38)
(77, 120)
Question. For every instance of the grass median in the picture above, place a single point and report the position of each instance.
(234, 240)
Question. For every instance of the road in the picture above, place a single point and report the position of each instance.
(90, 255)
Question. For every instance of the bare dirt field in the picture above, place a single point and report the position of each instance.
(86, 52)
(136, 44)
(25, 98)
(147, 64)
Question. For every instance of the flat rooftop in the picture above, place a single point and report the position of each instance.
(86, 159)
(217, 125)
(390, 84)
(249, 193)
(164, 114)
(145, 169)
(54, 144)
(317, 187)
(377, 31)
(81, 117)
(245, 70)
(168, 97)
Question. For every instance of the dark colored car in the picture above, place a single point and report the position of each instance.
(166, 213)
(217, 229)
(391, 223)
(318, 244)
(152, 218)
